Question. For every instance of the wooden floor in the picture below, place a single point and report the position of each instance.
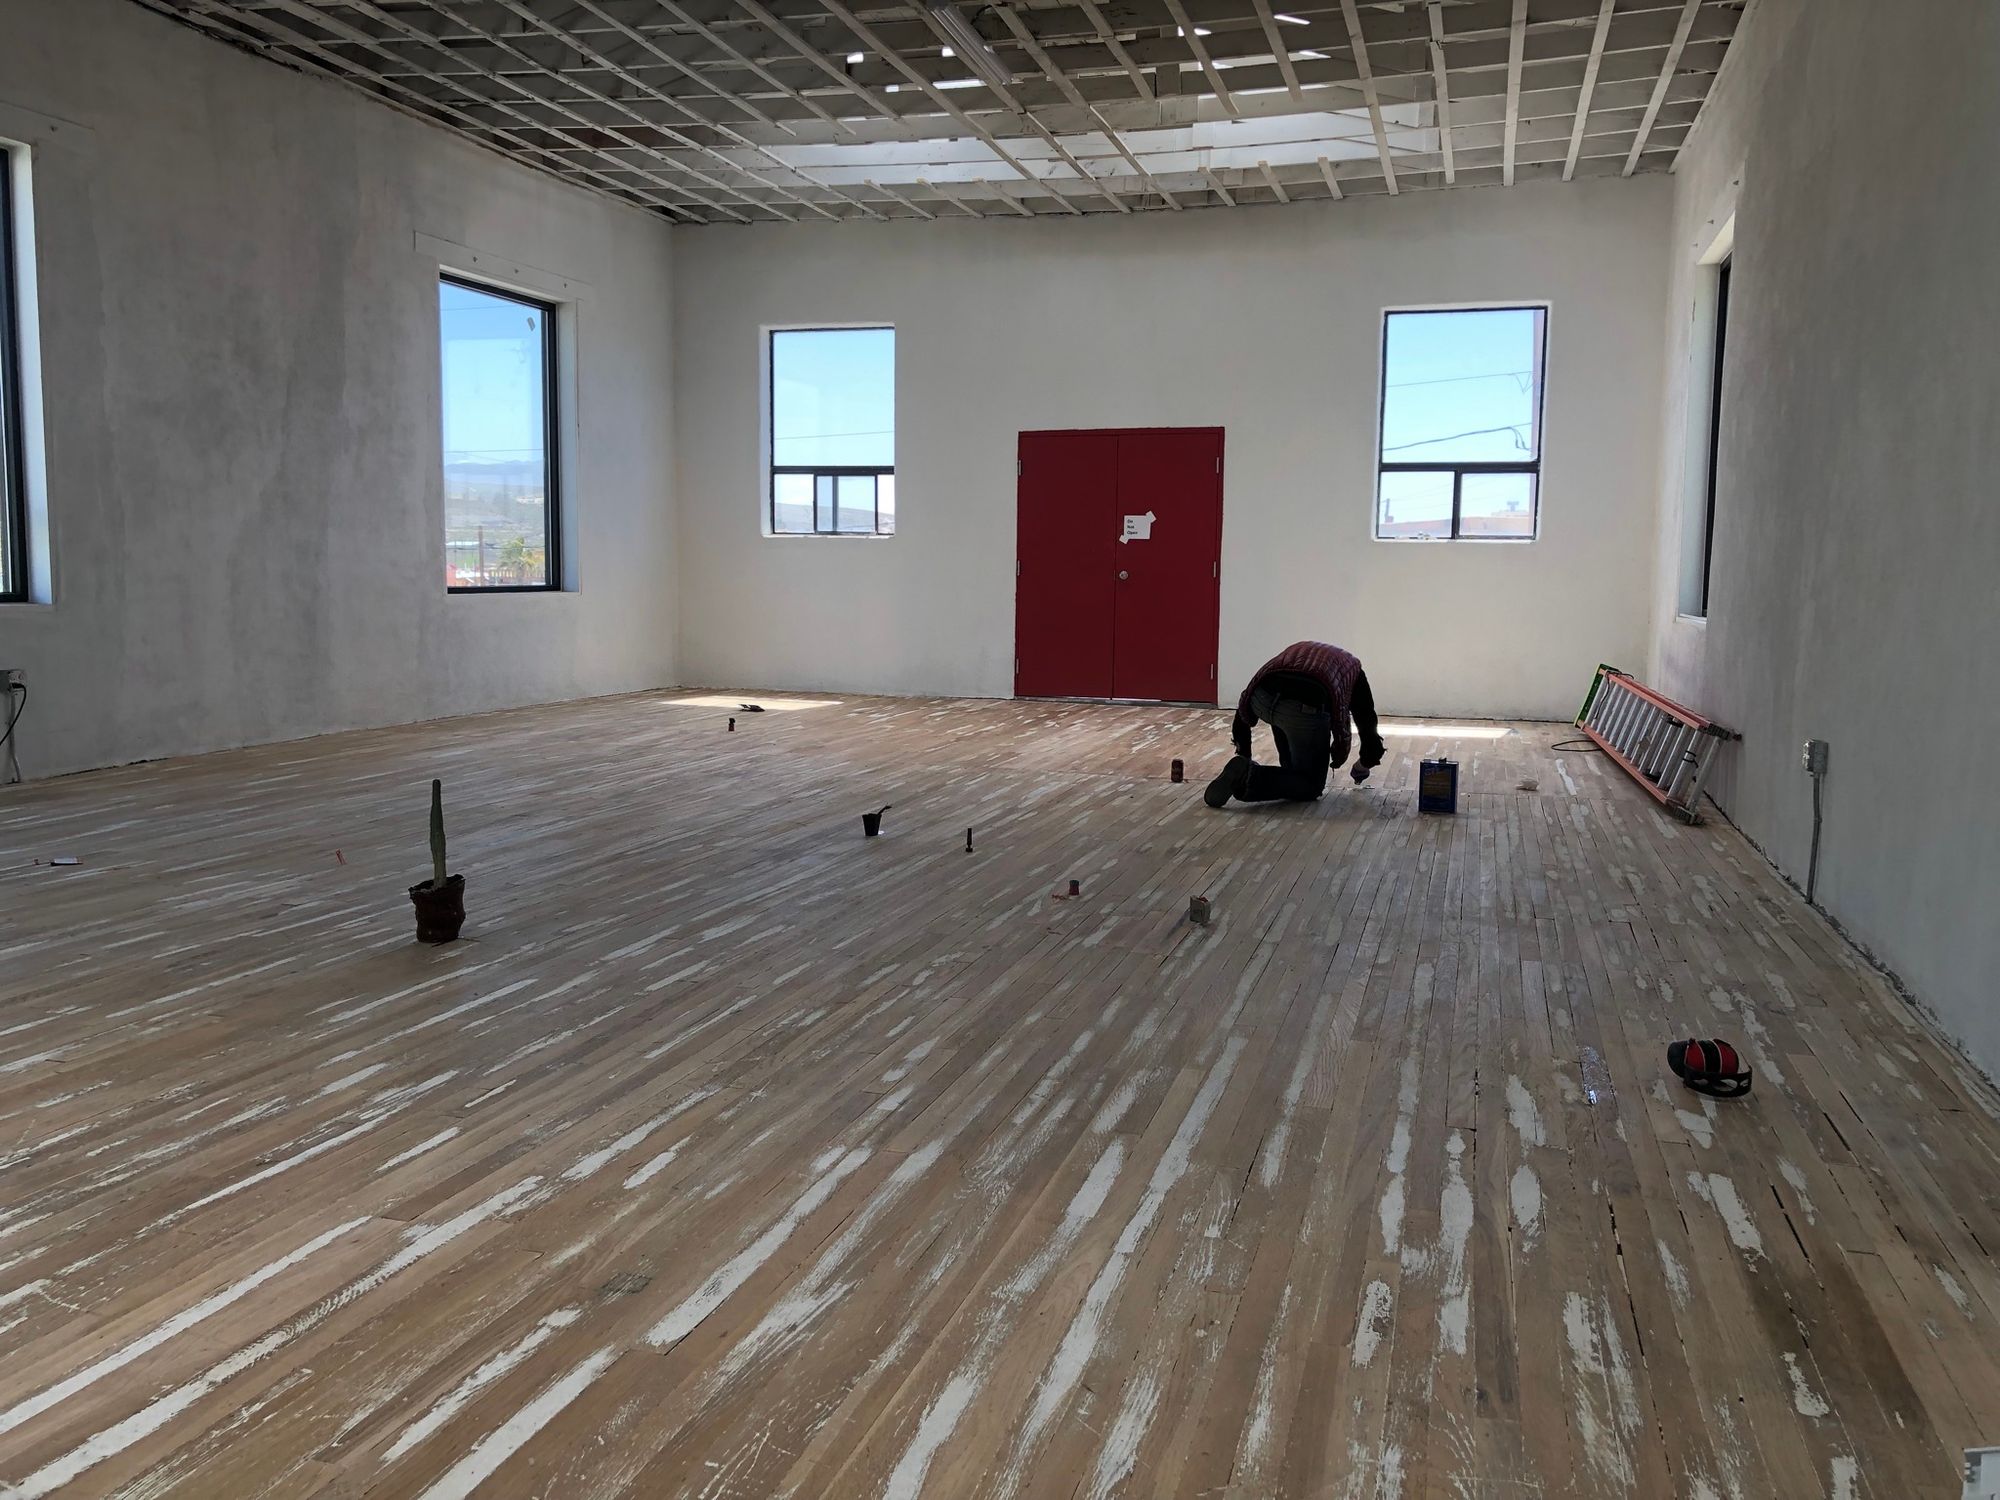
(732, 1155)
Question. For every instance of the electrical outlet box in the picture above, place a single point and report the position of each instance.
(1982, 1474)
(12, 677)
(1814, 758)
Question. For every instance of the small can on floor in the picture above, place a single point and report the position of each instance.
(1437, 786)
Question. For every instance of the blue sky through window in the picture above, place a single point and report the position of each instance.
(1459, 386)
(833, 398)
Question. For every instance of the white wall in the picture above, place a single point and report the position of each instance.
(240, 349)
(1857, 530)
(1265, 321)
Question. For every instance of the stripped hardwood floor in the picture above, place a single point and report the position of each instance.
(733, 1155)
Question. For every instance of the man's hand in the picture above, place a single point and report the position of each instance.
(1242, 745)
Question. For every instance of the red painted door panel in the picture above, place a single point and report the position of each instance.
(1167, 592)
(1067, 541)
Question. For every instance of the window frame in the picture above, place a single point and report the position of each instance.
(1719, 355)
(1458, 469)
(15, 570)
(552, 486)
(834, 472)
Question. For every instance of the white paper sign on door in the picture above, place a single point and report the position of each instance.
(1138, 528)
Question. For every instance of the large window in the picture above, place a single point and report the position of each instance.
(1461, 438)
(1714, 394)
(13, 475)
(501, 517)
(833, 432)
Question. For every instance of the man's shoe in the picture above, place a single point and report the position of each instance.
(1229, 783)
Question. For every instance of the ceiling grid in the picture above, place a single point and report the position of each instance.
(747, 111)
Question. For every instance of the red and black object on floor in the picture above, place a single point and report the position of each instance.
(1712, 1067)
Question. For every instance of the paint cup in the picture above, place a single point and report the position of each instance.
(1198, 910)
(732, 726)
(871, 823)
(1177, 773)
(1076, 887)
(968, 841)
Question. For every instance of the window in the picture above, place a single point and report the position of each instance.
(501, 526)
(13, 471)
(1714, 394)
(1461, 441)
(833, 432)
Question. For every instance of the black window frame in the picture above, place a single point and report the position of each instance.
(15, 579)
(1715, 424)
(552, 496)
(1458, 470)
(831, 472)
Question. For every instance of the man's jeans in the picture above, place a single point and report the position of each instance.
(1304, 735)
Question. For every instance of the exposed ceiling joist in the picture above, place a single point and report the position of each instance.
(741, 110)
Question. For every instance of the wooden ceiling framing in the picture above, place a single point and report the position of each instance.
(718, 111)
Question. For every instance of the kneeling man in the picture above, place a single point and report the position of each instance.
(1306, 693)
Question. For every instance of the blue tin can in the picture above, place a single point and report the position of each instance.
(1437, 786)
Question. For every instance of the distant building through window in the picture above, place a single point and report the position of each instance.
(501, 518)
(1461, 438)
(13, 471)
(833, 432)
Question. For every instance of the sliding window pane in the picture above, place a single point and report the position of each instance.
(791, 504)
(823, 502)
(885, 504)
(1415, 505)
(856, 509)
(1497, 505)
(499, 480)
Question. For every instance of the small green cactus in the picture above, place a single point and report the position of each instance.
(437, 835)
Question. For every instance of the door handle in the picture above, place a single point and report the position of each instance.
(1123, 574)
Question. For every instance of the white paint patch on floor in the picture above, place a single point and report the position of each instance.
(1596, 1403)
(722, 1283)
(54, 1395)
(1254, 1448)
(1376, 1302)
(1953, 1290)
(1079, 1342)
(1523, 1115)
(1524, 1193)
(1796, 1180)
(1676, 1276)
(1719, 1192)
(1454, 1235)
(1118, 1454)
(513, 1435)
(1806, 1401)
(449, 1133)
(1699, 1128)
(1389, 1212)
(1845, 1479)
(423, 1240)
(455, 1399)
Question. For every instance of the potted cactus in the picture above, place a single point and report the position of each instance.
(440, 901)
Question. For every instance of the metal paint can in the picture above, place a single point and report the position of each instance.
(1437, 786)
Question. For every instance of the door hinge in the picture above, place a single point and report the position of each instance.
(1017, 567)
(1017, 666)
(1211, 671)
(1218, 463)
(1019, 469)
(1215, 570)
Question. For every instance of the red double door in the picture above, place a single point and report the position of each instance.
(1118, 588)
